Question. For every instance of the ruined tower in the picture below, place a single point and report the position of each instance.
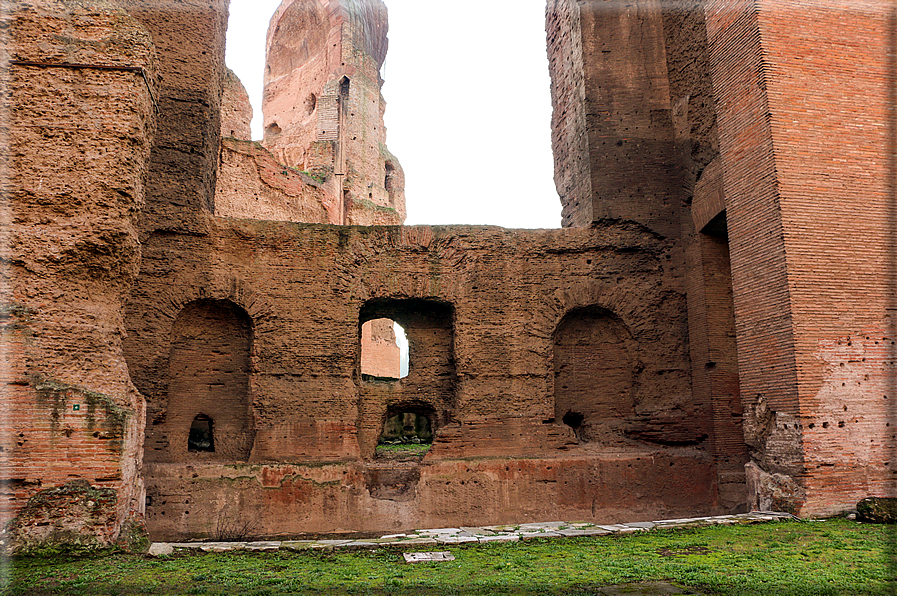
(323, 110)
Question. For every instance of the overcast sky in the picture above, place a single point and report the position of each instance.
(468, 105)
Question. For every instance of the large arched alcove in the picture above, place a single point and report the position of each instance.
(595, 359)
(209, 407)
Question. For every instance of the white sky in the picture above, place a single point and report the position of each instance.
(468, 106)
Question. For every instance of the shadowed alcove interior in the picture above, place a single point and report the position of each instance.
(208, 413)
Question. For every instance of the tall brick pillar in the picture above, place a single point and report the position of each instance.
(805, 102)
(612, 129)
(76, 128)
(189, 36)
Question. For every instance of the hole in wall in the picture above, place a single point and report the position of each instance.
(201, 436)
(573, 420)
(311, 102)
(384, 350)
(407, 433)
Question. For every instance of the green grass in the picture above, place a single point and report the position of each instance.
(400, 450)
(835, 557)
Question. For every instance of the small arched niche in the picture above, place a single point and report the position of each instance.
(595, 360)
(201, 437)
(384, 350)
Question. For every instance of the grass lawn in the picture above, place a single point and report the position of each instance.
(783, 558)
(401, 452)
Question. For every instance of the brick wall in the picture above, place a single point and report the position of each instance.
(806, 110)
(189, 39)
(78, 126)
(380, 354)
(480, 307)
(569, 140)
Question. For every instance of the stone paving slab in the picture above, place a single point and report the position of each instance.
(470, 534)
(264, 546)
(455, 539)
(428, 557)
(418, 542)
(499, 538)
(532, 535)
(569, 532)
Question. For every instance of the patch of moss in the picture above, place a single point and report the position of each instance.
(49, 390)
(366, 204)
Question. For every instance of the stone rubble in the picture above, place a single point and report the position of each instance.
(471, 535)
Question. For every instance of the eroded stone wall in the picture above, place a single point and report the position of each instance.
(77, 126)
(323, 110)
(585, 373)
(481, 308)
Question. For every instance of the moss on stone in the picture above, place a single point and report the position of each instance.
(58, 393)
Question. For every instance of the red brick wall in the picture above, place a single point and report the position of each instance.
(763, 322)
(805, 93)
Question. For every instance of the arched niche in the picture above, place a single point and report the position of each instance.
(208, 392)
(595, 360)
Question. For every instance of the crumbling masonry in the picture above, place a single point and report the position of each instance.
(711, 330)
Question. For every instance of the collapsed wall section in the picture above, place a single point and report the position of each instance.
(79, 114)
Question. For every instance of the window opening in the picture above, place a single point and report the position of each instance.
(384, 350)
(201, 438)
(406, 435)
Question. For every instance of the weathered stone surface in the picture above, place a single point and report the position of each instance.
(877, 510)
(436, 557)
(323, 111)
(310, 404)
(160, 549)
(75, 152)
(236, 111)
(590, 373)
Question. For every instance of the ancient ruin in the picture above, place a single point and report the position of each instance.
(185, 310)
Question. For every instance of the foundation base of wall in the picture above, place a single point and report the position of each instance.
(244, 501)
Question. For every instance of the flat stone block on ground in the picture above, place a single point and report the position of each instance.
(570, 532)
(500, 538)
(455, 539)
(264, 546)
(160, 549)
(428, 557)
